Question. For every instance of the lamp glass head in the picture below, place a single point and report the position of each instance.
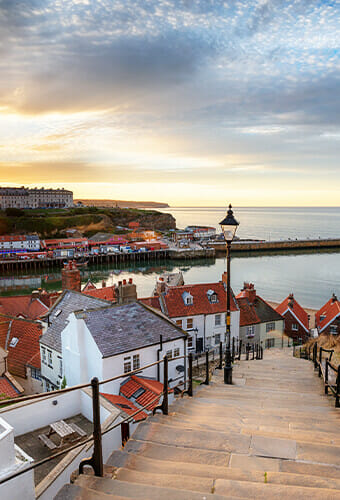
(229, 225)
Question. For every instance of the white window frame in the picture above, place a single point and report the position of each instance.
(250, 333)
(218, 320)
(295, 327)
(49, 358)
(270, 326)
(127, 364)
(135, 362)
(192, 323)
(176, 352)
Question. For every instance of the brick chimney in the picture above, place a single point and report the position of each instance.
(334, 298)
(249, 292)
(291, 300)
(70, 277)
(126, 292)
(160, 286)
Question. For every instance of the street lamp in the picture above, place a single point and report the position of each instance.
(229, 226)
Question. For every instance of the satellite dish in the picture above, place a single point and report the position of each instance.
(180, 368)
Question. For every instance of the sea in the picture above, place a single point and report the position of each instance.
(311, 275)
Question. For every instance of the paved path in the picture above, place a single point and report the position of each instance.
(271, 435)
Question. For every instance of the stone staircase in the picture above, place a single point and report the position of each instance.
(271, 435)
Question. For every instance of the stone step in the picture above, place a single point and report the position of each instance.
(75, 492)
(146, 465)
(280, 429)
(138, 490)
(318, 453)
(211, 409)
(203, 440)
(272, 491)
(177, 453)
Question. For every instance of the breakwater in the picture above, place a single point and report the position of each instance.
(259, 246)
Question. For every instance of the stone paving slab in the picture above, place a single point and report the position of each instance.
(273, 447)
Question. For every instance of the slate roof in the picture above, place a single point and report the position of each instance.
(257, 312)
(124, 328)
(69, 302)
(290, 304)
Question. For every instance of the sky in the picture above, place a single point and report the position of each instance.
(189, 102)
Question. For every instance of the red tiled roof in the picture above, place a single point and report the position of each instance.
(89, 286)
(7, 237)
(35, 361)
(296, 310)
(7, 390)
(28, 334)
(176, 307)
(125, 405)
(22, 305)
(248, 314)
(152, 388)
(105, 293)
(330, 310)
(152, 302)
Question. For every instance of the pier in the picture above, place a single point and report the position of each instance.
(259, 246)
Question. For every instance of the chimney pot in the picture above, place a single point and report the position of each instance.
(124, 282)
(130, 281)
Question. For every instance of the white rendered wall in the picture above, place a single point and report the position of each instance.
(21, 487)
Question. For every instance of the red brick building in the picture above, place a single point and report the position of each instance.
(327, 319)
(296, 318)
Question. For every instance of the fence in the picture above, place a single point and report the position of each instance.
(96, 461)
(326, 370)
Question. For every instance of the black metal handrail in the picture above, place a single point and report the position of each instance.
(96, 461)
(323, 370)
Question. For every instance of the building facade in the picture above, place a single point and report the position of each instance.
(296, 318)
(19, 243)
(13, 197)
(327, 319)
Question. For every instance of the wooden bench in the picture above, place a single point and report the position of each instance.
(47, 442)
(77, 429)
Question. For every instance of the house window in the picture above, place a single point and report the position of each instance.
(189, 341)
(270, 327)
(35, 373)
(217, 339)
(176, 352)
(179, 322)
(333, 329)
(295, 327)
(270, 343)
(217, 320)
(190, 323)
(43, 355)
(169, 354)
(250, 331)
(60, 367)
(322, 317)
(127, 364)
(136, 362)
(49, 358)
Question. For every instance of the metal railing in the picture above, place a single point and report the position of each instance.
(96, 460)
(324, 368)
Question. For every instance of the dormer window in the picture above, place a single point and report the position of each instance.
(212, 296)
(14, 342)
(187, 298)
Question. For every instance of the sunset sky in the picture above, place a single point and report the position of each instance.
(190, 102)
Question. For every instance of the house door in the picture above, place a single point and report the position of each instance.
(199, 344)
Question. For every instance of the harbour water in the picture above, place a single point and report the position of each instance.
(312, 276)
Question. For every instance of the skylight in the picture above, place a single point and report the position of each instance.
(14, 342)
(57, 313)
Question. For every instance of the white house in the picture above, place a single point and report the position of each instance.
(54, 323)
(19, 243)
(114, 340)
(199, 309)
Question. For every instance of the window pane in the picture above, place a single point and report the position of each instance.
(169, 354)
(217, 320)
(190, 323)
(127, 364)
(136, 362)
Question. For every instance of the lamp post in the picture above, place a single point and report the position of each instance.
(229, 226)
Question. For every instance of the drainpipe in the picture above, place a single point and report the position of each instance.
(185, 362)
(158, 351)
(204, 341)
